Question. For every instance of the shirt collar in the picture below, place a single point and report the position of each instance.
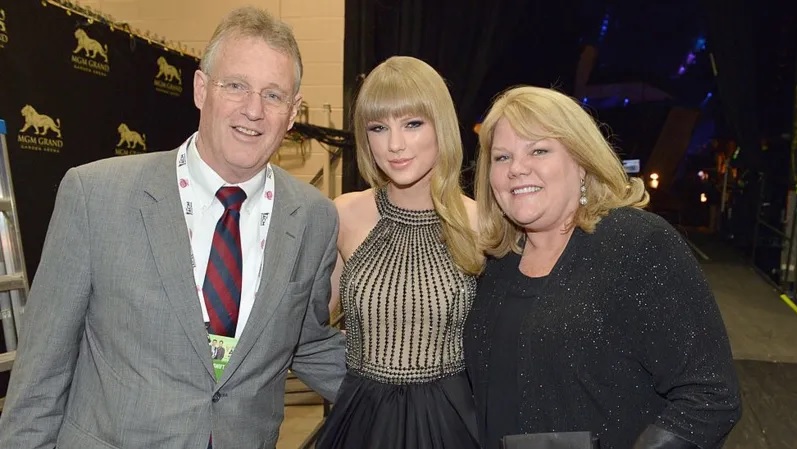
(207, 182)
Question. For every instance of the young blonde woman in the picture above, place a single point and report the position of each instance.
(407, 267)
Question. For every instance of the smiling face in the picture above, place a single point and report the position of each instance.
(535, 182)
(237, 138)
(404, 148)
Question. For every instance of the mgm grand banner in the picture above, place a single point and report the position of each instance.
(75, 89)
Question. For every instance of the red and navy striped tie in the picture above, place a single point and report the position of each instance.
(222, 286)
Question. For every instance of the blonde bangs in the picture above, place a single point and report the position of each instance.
(538, 119)
(394, 96)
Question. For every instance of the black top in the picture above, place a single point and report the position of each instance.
(624, 333)
(502, 397)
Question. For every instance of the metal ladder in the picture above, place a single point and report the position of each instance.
(13, 278)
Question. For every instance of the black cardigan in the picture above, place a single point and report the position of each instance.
(624, 334)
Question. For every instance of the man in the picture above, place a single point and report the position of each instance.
(214, 349)
(147, 256)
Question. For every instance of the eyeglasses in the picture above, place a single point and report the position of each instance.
(275, 101)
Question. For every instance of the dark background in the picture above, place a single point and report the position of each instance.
(744, 99)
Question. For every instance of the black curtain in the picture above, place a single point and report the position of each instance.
(473, 44)
(732, 45)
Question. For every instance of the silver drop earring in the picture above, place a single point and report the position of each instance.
(583, 199)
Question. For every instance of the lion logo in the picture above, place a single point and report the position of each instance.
(2, 21)
(40, 122)
(91, 47)
(168, 72)
(131, 138)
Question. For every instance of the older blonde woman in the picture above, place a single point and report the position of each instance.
(592, 314)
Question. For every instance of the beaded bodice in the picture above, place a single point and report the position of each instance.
(405, 300)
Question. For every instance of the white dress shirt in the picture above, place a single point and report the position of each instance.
(207, 211)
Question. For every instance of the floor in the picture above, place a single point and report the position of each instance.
(763, 334)
(300, 421)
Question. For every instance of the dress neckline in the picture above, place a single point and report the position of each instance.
(398, 214)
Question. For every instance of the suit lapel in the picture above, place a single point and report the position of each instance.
(282, 247)
(170, 245)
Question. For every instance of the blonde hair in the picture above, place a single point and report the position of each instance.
(403, 86)
(253, 22)
(533, 110)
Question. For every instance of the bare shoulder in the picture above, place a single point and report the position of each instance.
(358, 215)
(356, 205)
(352, 201)
(472, 211)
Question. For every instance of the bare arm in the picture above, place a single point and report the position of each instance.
(334, 300)
(357, 214)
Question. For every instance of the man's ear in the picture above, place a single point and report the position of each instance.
(297, 103)
(200, 88)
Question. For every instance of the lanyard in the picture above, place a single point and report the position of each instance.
(186, 189)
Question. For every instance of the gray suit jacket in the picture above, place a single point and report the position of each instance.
(113, 351)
